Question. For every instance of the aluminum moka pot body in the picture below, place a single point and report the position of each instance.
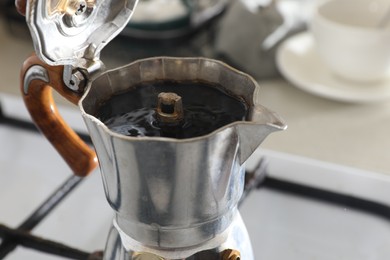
(174, 198)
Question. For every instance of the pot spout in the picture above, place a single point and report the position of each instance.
(262, 122)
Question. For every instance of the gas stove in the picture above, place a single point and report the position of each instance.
(299, 209)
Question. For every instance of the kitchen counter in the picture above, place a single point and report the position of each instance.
(347, 134)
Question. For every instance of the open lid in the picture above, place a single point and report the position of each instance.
(66, 32)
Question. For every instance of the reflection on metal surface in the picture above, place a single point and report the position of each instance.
(67, 31)
(122, 247)
(77, 12)
(34, 73)
(69, 7)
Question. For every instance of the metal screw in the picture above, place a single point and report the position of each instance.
(82, 7)
(77, 12)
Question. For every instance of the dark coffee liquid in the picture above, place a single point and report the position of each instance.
(206, 108)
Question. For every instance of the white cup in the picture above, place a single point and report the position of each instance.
(350, 40)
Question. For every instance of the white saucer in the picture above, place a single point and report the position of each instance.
(299, 62)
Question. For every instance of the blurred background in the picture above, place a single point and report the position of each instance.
(243, 33)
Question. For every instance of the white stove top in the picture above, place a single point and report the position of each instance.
(281, 225)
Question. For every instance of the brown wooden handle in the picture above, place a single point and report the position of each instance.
(37, 81)
(21, 6)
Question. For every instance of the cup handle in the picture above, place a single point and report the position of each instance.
(37, 81)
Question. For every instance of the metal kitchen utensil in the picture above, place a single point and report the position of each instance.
(173, 199)
(177, 194)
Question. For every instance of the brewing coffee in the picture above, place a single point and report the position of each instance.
(206, 107)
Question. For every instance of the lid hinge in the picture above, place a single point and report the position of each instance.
(77, 78)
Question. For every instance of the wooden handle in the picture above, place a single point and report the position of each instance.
(37, 80)
(21, 6)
